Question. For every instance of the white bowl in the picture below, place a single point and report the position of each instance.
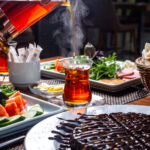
(24, 74)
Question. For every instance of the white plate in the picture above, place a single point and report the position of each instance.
(37, 137)
(93, 83)
(49, 109)
(45, 94)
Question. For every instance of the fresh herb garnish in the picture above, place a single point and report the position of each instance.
(103, 67)
(3, 98)
(7, 89)
(3, 102)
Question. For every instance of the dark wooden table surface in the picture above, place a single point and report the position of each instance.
(143, 8)
(144, 101)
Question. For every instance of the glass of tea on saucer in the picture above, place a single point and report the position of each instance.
(77, 93)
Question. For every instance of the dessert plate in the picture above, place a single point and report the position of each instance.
(37, 137)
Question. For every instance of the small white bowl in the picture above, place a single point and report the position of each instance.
(24, 74)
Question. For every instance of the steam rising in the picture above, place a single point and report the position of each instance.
(63, 35)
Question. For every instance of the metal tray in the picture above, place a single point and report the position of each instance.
(49, 110)
(93, 83)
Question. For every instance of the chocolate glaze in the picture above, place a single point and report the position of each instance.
(116, 131)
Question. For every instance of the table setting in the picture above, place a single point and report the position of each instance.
(48, 93)
(90, 101)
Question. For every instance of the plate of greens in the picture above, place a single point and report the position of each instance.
(19, 112)
(106, 73)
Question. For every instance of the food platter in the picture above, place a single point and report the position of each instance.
(49, 109)
(37, 137)
(93, 83)
(114, 87)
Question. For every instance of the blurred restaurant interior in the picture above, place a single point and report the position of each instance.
(110, 25)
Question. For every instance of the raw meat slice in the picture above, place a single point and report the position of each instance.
(125, 72)
(134, 76)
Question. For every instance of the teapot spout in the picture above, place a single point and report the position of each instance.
(66, 3)
(18, 15)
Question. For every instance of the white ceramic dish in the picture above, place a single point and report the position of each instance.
(46, 94)
(37, 137)
(93, 83)
(24, 74)
(49, 109)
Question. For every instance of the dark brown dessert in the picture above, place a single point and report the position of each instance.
(115, 131)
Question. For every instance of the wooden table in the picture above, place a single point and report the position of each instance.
(141, 7)
(143, 101)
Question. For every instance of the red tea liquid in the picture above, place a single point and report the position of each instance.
(23, 14)
(77, 91)
(3, 63)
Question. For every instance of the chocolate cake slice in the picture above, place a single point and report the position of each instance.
(116, 131)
